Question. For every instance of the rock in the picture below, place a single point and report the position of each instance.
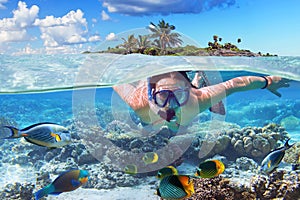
(17, 191)
(248, 147)
(136, 143)
(86, 158)
(244, 163)
(221, 144)
(239, 147)
(272, 142)
(256, 153)
(276, 136)
(291, 122)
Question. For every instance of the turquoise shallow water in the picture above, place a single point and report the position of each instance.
(23, 78)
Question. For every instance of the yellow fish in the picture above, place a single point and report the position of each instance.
(130, 169)
(150, 157)
(166, 171)
(210, 169)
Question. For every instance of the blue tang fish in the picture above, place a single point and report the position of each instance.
(43, 134)
(66, 182)
(272, 160)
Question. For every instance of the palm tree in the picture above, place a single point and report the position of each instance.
(143, 42)
(215, 37)
(163, 31)
(130, 44)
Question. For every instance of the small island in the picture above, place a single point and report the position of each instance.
(163, 41)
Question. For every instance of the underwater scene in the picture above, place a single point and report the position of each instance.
(108, 126)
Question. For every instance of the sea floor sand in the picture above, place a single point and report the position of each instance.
(145, 192)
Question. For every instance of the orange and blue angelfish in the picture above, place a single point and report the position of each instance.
(42, 134)
(66, 182)
(273, 159)
(175, 187)
(166, 171)
(210, 169)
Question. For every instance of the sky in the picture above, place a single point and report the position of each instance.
(74, 26)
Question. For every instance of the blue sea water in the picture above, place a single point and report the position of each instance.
(41, 89)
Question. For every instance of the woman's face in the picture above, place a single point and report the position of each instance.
(170, 84)
(169, 95)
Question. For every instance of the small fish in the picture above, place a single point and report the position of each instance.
(272, 160)
(166, 171)
(210, 169)
(131, 169)
(175, 187)
(66, 182)
(150, 157)
(43, 134)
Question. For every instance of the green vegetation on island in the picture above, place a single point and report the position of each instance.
(164, 41)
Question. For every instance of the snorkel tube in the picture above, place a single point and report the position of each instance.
(150, 89)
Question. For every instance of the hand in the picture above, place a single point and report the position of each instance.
(277, 82)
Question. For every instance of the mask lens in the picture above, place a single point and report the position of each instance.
(161, 97)
(181, 96)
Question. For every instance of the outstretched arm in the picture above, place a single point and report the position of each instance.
(134, 94)
(213, 94)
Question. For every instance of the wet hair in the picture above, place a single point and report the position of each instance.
(152, 81)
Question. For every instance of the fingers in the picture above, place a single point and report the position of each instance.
(276, 93)
(286, 85)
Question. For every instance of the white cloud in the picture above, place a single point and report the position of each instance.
(27, 50)
(94, 38)
(13, 36)
(59, 34)
(111, 36)
(66, 30)
(25, 17)
(15, 29)
(104, 16)
(153, 7)
(1, 4)
(94, 20)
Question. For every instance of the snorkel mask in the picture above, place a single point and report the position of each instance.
(174, 99)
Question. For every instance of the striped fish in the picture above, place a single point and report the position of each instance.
(175, 187)
(43, 134)
(210, 169)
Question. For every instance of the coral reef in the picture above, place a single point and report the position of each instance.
(219, 188)
(103, 152)
(17, 191)
(293, 154)
(279, 184)
(244, 164)
(252, 142)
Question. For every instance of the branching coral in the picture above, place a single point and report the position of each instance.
(278, 185)
(219, 188)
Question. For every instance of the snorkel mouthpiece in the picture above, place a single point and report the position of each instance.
(168, 115)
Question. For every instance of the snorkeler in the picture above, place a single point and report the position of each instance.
(172, 100)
